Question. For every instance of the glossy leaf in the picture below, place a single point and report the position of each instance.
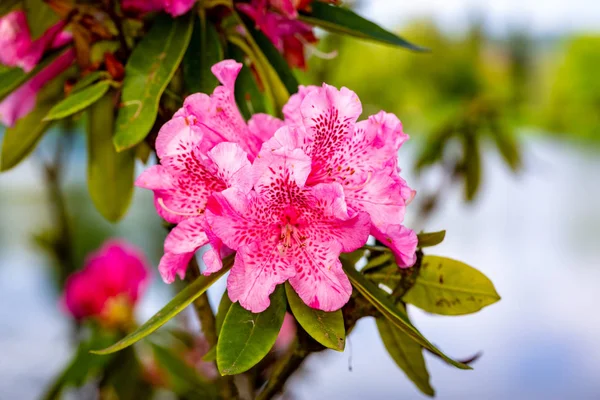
(183, 299)
(389, 310)
(431, 238)
(183, 379)
(378, 261)
(326, 328)
(224, 306)
(449, 287)
(347, 22)
(110, 174)
(79, 101)
(147, 74)
(203, 52)
(40, 17)
(275, 58)
(246, 338)
(247, 95)
(90, 78)
(406, 353)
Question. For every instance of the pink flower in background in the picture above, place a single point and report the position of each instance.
(18, 50)
(206, 148)
(285, 230)
(360, 156)
(22, 101)
(109, 285)
(287, 334)
(173, 7)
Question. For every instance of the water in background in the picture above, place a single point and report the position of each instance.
(536, 237)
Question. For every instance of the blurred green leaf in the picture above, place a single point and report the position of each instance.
(507, 145)
(246, 338)
(183, 299)
(110, 174)
(247, 94)
(347, 22)
(275, 58)
(204, 51)
(388, 309)
(40, 17)
(79, 101)
(434, 148)
(6, 6)
(431, 239)
(472, 166)
(183, 379)
(90, 78)
(449, 287)
(326, 328)
(147, 74)
(211, 355)
(406, 353)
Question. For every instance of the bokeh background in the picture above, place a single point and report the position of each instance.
(534, 232)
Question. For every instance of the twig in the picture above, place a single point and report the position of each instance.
(110, 11)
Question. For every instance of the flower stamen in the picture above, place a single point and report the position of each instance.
(162, 204)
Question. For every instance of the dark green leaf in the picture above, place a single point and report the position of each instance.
(388, 309)
(6, 6)
(247, 95)
(183, 379)
(246, 338)
(147, 74)
(379, 261)
(90, 78)
(40, 17)
(507, 146)
(472, 166)
(344, 21)
(406, 353)
(279, 64)
(79, 101)
(203, 52)
(110, 174)
(326, 328)
(431, 238)
(183, 299)
(224, 306)
(449, 287)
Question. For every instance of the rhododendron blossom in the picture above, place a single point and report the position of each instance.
(109, 285)
(283, 230)
(199, 157)
(361, 156)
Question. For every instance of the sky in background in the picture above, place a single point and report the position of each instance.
(542, 17)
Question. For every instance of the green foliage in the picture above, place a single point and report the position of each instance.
(431, 239)
(204, 51)
(40, 17)
(449, 287)
(248, 96)
(345, 21)
(7, 6)
(147, 74)
(326, 328)
(80, 100)
(390, 311)
(406, 353)
(246, 338)
(110, 174)
(183, 299)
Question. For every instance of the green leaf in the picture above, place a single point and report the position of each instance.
(21, 139)
(449, 287)
(90, 78)
(40, 17)
(6, 6)
(397, 317)
(247, 95)
(472, 166)
(431, 239)
(224, 306)
(204, 51)
(246, 338)
(147, 74)
(110, 174)
(379, 261)
(277, 61)
(79, 101)
(507, 146)
(326, 328)
(211, 355)
(183, 299)
(346, 22)
(406, 353)
(183, 379)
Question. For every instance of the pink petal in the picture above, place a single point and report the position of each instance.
(178, 7)
(172, 265)
(155, 178)
(187, 237)
(291, 110)
(272, 168)
(263, 126)
(232, 165)
(401, 240)
(177, 137)
(255, 274)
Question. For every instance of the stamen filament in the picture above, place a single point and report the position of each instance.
(162, 204)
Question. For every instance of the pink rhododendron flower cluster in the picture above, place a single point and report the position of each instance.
(174, 7)
(109, 285)
(18, 50)
(287, 196)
